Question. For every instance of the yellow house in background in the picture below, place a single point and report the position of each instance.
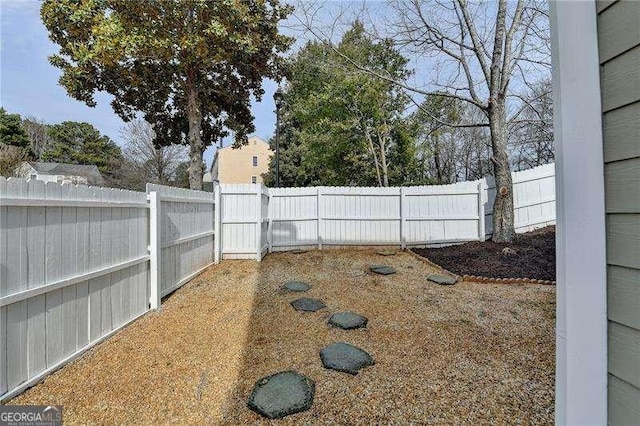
(242, 165)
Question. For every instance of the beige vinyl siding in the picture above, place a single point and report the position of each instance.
(623, 295)
(619, 51)
(624, 402)
(622, 186)
(619, 29)
(622, 133)
(236, 165)
(623, 240)
(603, 4)
(619, 78)
(624, 353)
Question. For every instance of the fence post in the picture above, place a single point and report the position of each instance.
(154, 250)
(481, 230)
(217, 226)
(403, 244)
(270, 225)
(318, 210)
(259, 224)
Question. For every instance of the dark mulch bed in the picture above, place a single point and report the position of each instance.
(535, 257)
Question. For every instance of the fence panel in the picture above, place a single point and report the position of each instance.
(239, 211)
(441, 214)
(534, 199)
(74, 270)
(413, 216)
(186, 234)
(293, 213)
(360, 216)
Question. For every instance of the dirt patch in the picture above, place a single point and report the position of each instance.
(533, 256)
(469, 353)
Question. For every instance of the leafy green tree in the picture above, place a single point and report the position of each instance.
(345, 127)
(436, 136)
(182, 175)
(297, 168)
(406, 170)
(81, 143)
(189, 66)
(11, 131)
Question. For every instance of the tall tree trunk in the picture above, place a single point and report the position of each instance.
(160, 166)
(383, 161)
(503, 229)
(436, 159)
(196, 146)
(367, 135)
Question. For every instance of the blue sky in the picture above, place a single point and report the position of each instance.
(29, 84)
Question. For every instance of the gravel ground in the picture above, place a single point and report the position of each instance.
(469, 353)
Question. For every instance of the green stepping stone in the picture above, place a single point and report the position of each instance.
(387, 252)
(346, 358)
(382, 269)
(348, 320)
(307, 304)
(297, 286)
(442, 279)
(282, 394)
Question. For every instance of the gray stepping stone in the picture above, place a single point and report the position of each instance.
(298, 251)
(307, 304)
(296, 286)
(348, 320)
(282, 394)
(442, 279)
(382, 269)
(346, 358)
(387, 252)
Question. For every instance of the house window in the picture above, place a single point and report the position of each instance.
(254, 179)
(255, 161)
(34, 176)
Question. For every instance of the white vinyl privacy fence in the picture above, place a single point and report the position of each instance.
(244, 220)
(400, 216)
(534, 198)
(185, 231)
(78, 263)
(345, 216)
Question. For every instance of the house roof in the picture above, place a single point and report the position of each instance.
(90, 172)
(251, 139)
